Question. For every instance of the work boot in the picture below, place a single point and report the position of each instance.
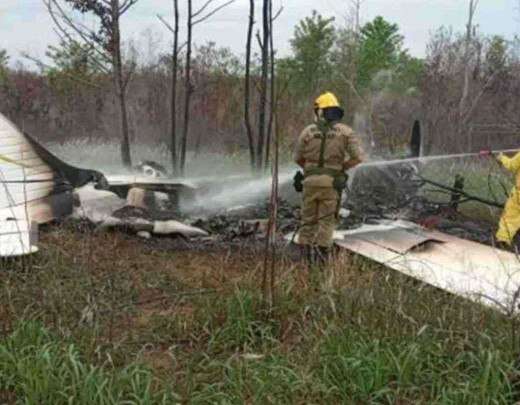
(308, 255)
(322, 256)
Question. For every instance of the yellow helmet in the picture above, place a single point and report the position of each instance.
(326, 100)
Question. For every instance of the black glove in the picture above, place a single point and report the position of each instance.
(298, 181)
(340, 182)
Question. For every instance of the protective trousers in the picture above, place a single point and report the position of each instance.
(510, 220)
(319, 216)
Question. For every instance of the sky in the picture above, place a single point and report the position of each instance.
(25, 26)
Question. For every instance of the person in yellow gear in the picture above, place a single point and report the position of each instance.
(325, 150)
(510, 220)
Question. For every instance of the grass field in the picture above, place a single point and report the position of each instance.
(99, 318)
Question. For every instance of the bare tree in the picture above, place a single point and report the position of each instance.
(353, 52)
(354, 15)
(467, 66)
(272, 84)
(187, 87)
(262, 105)
(173, 97)
(471, 97)
(106, 41)
(247, 86)
(193, 19)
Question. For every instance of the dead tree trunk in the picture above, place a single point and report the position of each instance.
(352, 66)
(119, 84)
(262, 112)
(467, 70)
(173, 111)
(187, 89)
(173, 97)
(272, 101)
(194, 18)
(247, 85)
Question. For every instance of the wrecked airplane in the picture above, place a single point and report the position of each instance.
(39, 188)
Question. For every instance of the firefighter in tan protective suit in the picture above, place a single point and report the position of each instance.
(325, 150)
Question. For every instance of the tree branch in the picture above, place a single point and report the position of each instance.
(166, 23)
(210, 14)
(278, 13)
(85, 34)
(123, 8)
(201, 10)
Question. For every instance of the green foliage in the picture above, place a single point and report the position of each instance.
(382, 64)
(380, 49)
(327, 58)
(496, 55)
(74, 65)
(408, 73)
(4, 60)
(262, 380)
(73, 57)
(312, 43)
(365, 369)
(36, 366)
(345, 54)
(244, 328)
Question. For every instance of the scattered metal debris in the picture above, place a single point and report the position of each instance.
(472, 270)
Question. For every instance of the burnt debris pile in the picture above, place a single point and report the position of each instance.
(376, 192)
(379, 191)
(249, 220)
(399, 191)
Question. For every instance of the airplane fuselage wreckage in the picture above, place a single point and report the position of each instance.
(37, 188)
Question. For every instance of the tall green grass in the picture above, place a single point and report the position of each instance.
(362, 369)
(37, 368)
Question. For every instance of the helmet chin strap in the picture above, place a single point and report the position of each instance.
(318, 115)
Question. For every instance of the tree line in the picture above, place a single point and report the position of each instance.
(201, 97)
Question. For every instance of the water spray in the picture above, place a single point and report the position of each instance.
(237, 191)
(427, 158)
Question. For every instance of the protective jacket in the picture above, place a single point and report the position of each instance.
(323, 149)
(513, 165)
(324, 159)
(510, 220)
